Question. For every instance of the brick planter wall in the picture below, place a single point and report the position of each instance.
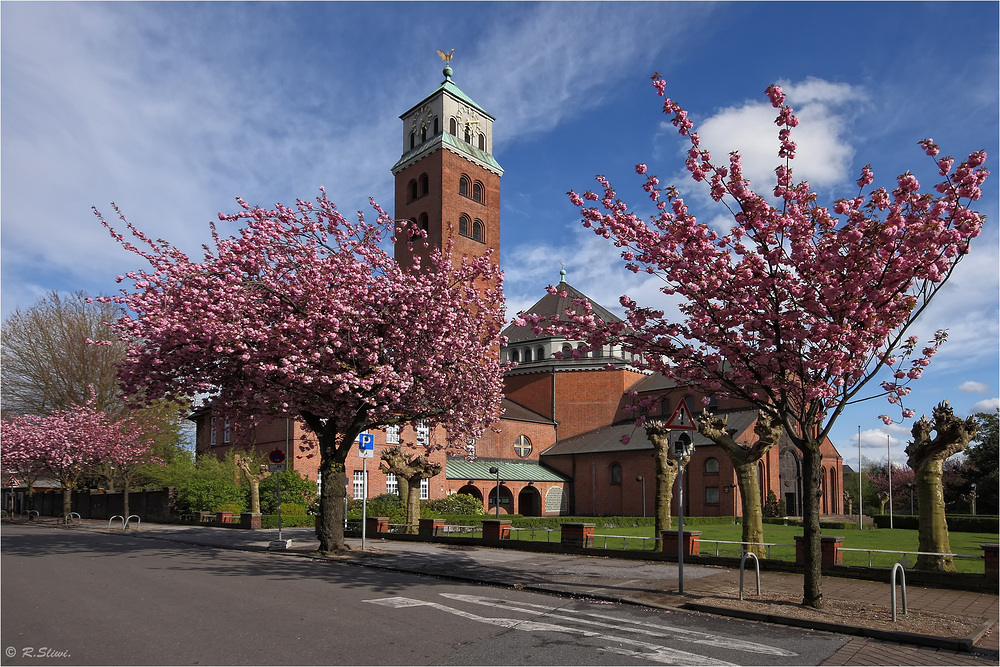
(577, 535)
(250, 521)
(692, 542)
(431, 527)
(377, 524)
(496, 529)
(829, 550)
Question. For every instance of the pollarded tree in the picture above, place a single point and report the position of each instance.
(303, 314)
(926, 455)
(411, 467)
(798, 308)
(745, 459)
(667, 468)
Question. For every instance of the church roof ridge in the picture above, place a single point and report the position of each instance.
(556, 305)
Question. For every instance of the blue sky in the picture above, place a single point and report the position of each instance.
(172, 110)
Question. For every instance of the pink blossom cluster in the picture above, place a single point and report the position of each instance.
(68, 443)
(799, 304)
(302, 313)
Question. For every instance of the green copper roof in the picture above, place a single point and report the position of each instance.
(510, 471)
(454, 144)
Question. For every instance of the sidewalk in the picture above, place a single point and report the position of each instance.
(650, 583)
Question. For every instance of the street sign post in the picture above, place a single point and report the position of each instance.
(366, 450)
(278, 465)
(683, 447)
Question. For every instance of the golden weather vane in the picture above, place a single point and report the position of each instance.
(446, 57)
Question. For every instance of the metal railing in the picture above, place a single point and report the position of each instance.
(904, 561)
(516, 533)
(646, 541)
(767, 550)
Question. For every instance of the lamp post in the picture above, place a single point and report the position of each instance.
(640, 478)
(494, 470)
(910, 487)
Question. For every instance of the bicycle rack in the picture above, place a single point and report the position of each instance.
(137, 521)
(117, 516)
(30, 512)
(757, 563)
(902, 572)
(69, 517)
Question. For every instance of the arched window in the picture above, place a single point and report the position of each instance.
(413, 139)
(411, 190)
(522, 446)
(540, 353)
(711, 466)
(424, 185)
(437, 126)
(477, 192)
(514, 356)
(580, 346)
(423, 134)
(463, 186)
(464, 223)
(527, 354)
(424, 222)
(567, 351)
(478, 231)
(453, 127)
(468, 135)
(616, 473)
(482, 141)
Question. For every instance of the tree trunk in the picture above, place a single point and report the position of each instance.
(666, 473)
(812, 491)
(125, 508)
(753, 514)
(926, 456)
(411, 468)
(331, 504)
(413, 504)
(67, 495)
(255, 496)
(745, 460)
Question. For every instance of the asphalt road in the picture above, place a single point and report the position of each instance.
(85, 598)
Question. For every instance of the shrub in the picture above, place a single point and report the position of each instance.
(232, 508)
(292, 509)
(459, 504)
(271, 521)
(208, 485)
(294, 489)
(387, 504)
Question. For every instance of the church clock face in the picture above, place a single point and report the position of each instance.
(423, 119)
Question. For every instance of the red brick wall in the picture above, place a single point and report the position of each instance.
(590, 399)
(532, 390)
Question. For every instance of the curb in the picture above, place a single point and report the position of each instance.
(960, 644)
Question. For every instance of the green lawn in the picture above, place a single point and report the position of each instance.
(879, 539)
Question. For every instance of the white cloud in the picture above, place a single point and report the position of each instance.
(989, 405)
(825, 148)
(972, 387)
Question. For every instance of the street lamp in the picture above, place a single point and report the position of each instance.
(640, 478)
(910, 486)
(496, 471)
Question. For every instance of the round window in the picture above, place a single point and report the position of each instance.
(522, 446)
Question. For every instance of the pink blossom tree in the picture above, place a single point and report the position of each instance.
(66, 444)
(303, 314)
(798, 309)
(128, 452)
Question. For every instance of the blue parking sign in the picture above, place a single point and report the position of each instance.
(366, 446)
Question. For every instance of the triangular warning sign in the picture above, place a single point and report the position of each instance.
(12, 482)
(681, 420)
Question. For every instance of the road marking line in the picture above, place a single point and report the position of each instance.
(646, 650)
(650, 629)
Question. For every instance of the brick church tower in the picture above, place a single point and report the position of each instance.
(447, 181)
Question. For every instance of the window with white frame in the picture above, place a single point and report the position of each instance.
(425, 488)
(212, 435)
(225, 432)
(391, 483)
(392, 435)
(359, 484)
(423, 433)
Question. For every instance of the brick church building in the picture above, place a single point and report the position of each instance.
(558, 449)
